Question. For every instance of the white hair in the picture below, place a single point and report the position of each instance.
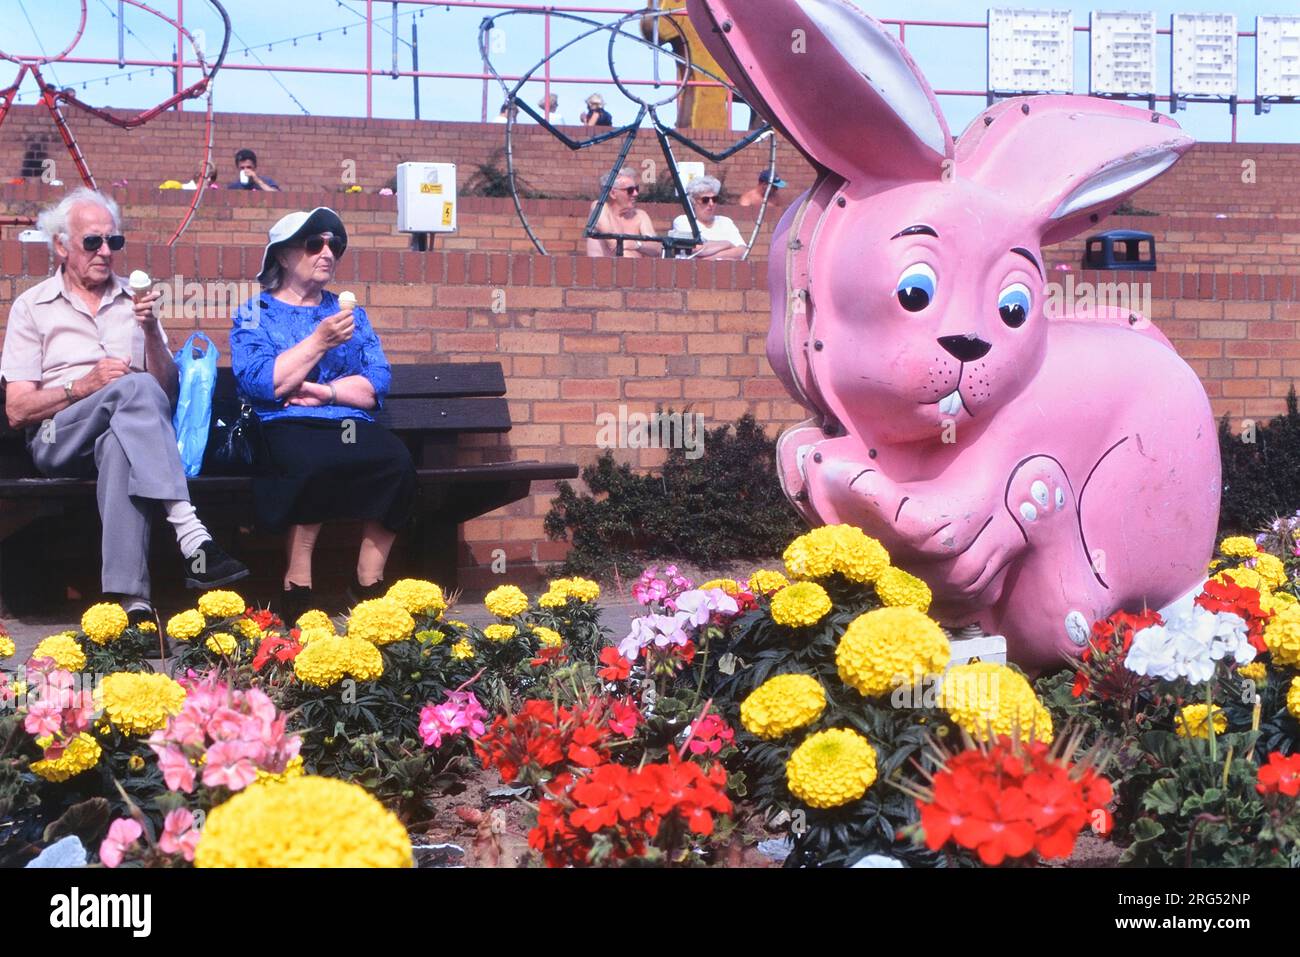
(53, 220)
(703, 184)
(609, 179)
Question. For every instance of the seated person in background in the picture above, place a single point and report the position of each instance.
(90, 377)
(509, 111)
(551, 110)
(596, 114)
(249, 178)
(722, 239)
(754, 197)
(621, 215)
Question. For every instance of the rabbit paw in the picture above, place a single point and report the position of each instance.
(1040, 498)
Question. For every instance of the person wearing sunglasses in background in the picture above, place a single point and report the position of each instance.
(722, 240)
(313, 370)
(621, 215)
(88, 374)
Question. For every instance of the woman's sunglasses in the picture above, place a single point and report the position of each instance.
(315, 244)
(706, 199)
(92, 243)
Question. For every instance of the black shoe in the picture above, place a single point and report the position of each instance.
(293, 602)
(210, 567)
(357, 592)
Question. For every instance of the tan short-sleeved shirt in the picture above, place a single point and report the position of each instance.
(52, 338)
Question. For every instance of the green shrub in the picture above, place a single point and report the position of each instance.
(1261, 479)
(725, 504)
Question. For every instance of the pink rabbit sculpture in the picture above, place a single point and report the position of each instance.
(1038, 467)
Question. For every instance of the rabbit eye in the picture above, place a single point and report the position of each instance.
(1013, 305)
(916, 287)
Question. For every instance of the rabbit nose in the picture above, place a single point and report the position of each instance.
(965, 348)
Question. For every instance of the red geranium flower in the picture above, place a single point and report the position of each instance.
(1281, 775)
(1244, 602)
(616, 667)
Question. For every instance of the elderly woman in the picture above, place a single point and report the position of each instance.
(722, 240)
(312, 368)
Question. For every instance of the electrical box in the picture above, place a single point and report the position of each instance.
(1277, 60)
(426, 197)
(1030, 51)
(690, 171)
(1204, 61)
(1123, 54)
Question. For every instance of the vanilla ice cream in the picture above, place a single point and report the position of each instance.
(140, 284)
(347, 300)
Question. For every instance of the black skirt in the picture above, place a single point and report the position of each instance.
(313, 474)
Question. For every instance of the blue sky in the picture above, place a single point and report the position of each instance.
(448, 42)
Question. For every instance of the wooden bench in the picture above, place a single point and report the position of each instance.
(428, 406)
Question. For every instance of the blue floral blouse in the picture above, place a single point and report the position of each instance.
(265, 327)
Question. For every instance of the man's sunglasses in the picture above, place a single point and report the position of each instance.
(92, 243)
(630, 190)
(315, 244)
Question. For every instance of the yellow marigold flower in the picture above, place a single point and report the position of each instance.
(1244, 577)
(1191, 723)
(147, 628)
(380, 620)
(986, 698)
(553, 599)
(430, 636)
(782, 704)
(1238, 546)
(135, 763)
(579, 589)
(306, 821)
(499, 632)
(221, 604)
(1255, 671)
(418, 597)
(831, 768)
(764, 581)
(896, 588)
(890, 648)
(294, 769)
(1271, 570)
(64, 649)
(140, 703)
(81, 754)
(247, 627)
(549, 637)
(728, 585)
(7, 647)
(506, 601)
(104, 622)
(315, 619)
(800, 604)
(186, 625)
(222, 644)
(1293, 698)
(836, 548)
(19, 688)
(1282, 636)
(462, 650)
(328, 659)
(311, 634)
(456, 624)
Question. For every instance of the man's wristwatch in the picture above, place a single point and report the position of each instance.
(67, 390)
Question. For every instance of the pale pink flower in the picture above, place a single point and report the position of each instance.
(177, 771)
(179, 835)
(43, 717)
(122, 835)
(231, 764)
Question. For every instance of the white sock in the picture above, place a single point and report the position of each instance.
(190, 532)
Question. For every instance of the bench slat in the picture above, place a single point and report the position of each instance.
(449, 380)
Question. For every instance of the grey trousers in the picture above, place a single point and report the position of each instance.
(123, 437)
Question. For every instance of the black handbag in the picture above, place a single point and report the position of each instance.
(235, 444)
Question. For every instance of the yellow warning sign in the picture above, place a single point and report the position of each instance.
(434, 188)
(446, 213)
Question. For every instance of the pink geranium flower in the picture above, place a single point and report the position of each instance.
(179, 835)
(177, 771)
(231, 764)
(122, 835)
(460, 711)
(43, 717)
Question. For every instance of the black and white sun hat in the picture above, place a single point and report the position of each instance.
(296, 225)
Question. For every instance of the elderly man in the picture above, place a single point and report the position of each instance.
(621, 216)
(89, 375)
(722, 240)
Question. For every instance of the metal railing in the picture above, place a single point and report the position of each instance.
(370, 70)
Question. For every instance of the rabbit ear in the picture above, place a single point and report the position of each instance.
(1069, 161)
(834, 81)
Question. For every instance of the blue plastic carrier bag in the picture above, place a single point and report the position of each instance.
(194, 407)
